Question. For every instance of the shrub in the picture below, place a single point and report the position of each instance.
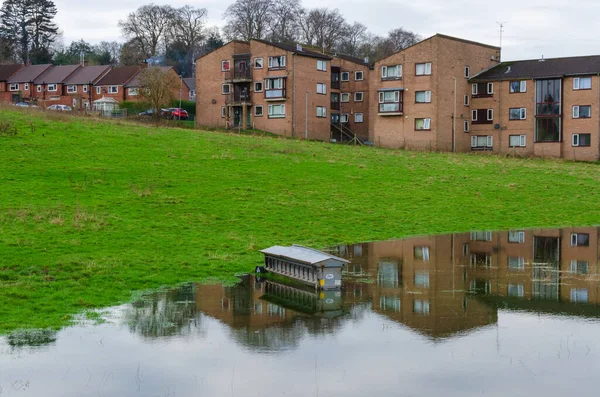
(8, 128)
(134, 108)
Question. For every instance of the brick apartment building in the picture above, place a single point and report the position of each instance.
(413, 102)
(542, 107)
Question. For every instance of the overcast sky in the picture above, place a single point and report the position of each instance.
(532, 28)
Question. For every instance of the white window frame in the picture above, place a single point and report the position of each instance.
(362, 96)
(474, 89)
(98, 90)
(426, 123)
(321, 65)
(427, 97)
(466, 126)
(385, 72)
(467, 72)
(39, 88)
(356, 116)
(345, 74)
(577, 83)
(322, 88)
(85, 88)
(575, 140)
(362, 75)
(262, 63)
(490, 88)
(281, 62)
(490, 115)
(576, 113)
(426, 69)
(519, 234)
(522, 140)
(133, 91)
(52, 88)
(223, 89)
(71, 89)
(489, 142)
(271, 115)
(347, 94)
(396, 97)
(262, 111)
(474, 115)
(261, 86)
(26, 86)
(228, 62)
(522, 87)
(575, 265)
(520, 263)
(113, 89)
(467, 100)
(522, 114)
(321, 111)
(344, 118)
(13, 87)
(223, 111)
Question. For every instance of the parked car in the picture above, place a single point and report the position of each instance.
(22, 104)
(178, 114)
(148, 113)
(60, 108)
(165, 113)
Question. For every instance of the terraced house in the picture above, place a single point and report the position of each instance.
(49, 88)
(20, 85)
(540, 107)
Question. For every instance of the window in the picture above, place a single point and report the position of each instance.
(321, 88)
(13, 87)
(358, 117)
(423, 96)
(321, 111)
(421, 253)
(422, 279)
(390, 101)
(225, 66)
(423, 124)
(467, 100)
(52, 88)
(225, 89)
(98, 90)
(516, 263)
(277, 62)
(358, 97)
(391, 72)
(579, 295)
(389, 303)
(71, 89)
(579, 267)
(26, 86)
(258, 110)
(518, 86)
(480, 259)
(258, 63)
(581, 139)
(474, 115)
(482, 90)
(490, 114)
(490, 88)
(223, 111)
(276, 111)
(423, 69)
(85, 88)
(133, 91)
(421, 307)
(321, 65)
(467, 72)
(474, 89)
(466, 126)
(345, 97)
(113, 89)
(517, 114)
(345, 76)
(481, 236)
(582, 112)
(580, 240)
(516, 236)
(484, 142)
(359, 75)
(39, 88)
(258, 86)
(516, 290)
(517, 141)
(582, 83)
(344, 118)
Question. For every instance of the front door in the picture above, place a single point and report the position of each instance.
(237, 116)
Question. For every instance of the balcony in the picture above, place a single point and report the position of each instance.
(335, 106)
(390, 109)
(277, 94)
(238, 98)
(239, 75)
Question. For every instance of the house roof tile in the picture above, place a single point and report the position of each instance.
(28, 74)
(135, 81)
(293, 48)
(119, 76)
(56, 74)
(87, 74)
(8, 70)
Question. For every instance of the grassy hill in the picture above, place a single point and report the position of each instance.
(91, 211)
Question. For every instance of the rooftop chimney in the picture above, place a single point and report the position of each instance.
(366, 59)
(542, 60)
(298, 47)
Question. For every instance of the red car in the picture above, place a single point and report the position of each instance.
(178, 114)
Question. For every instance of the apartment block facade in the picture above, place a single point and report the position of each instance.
(413, 100)
(546, 108)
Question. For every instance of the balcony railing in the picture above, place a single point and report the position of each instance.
(390, 107)
(335, 85)
(236, 74)
(237, 98)
(278, 93)
(335, 106)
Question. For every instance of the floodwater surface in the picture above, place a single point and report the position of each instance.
(484, 313)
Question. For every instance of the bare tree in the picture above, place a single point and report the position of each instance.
(112, 48)
(306, 27)
(189, 26)
(354, 38)
(148, 26)
(322, 27)
(400, 39)
(131, 54)
(285, 20)
(248, 19)
(157, 86)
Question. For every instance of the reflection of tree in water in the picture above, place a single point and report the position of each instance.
(31, 338)
(163, 314)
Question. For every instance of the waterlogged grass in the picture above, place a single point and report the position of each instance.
(92, 211)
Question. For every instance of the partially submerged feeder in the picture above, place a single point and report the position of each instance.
(322, 270)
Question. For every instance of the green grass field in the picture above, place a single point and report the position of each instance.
(92, 211)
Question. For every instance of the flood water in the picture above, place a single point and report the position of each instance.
(484, 313)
